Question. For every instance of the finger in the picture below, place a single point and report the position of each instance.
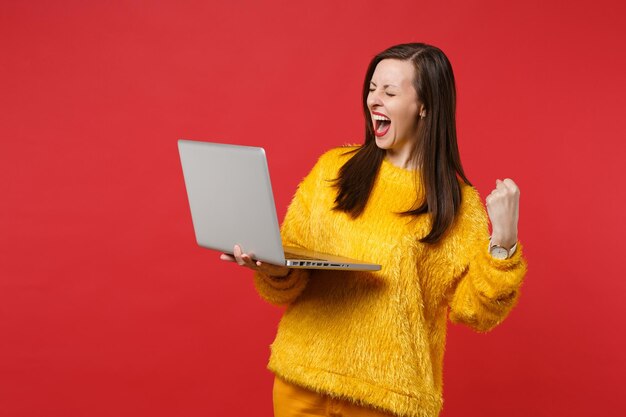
(248, 261)
(500, 185)
(271, 269)
(227, 257)
(510, 184)
(495, 193)
(237, 253)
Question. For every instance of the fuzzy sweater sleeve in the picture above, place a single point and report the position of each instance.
(486, 288)
(295, 231)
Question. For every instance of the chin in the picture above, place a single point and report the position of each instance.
(385, 144)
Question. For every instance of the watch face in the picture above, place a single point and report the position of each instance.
(499, 253)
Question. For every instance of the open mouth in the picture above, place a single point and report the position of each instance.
(381, 124)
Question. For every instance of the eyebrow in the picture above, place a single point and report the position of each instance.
(384, 86)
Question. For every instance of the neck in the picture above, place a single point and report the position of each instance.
(401, 159)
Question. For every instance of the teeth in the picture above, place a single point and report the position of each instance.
(382, 118)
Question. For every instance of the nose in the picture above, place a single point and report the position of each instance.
(373, 99)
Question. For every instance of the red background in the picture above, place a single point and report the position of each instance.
(108, 307)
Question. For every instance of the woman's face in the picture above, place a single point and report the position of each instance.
(394, 108)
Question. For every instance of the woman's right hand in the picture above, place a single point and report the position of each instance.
(243, 259)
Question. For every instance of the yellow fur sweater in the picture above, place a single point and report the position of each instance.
(377, 338)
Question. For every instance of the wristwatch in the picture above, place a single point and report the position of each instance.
(500, 252)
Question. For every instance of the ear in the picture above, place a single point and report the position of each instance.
(422, 111)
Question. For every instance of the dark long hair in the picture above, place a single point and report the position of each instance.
(436, 152)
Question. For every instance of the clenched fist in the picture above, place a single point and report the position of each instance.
(503, 210)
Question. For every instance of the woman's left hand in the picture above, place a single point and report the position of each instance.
(503, 210)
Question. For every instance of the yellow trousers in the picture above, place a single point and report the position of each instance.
(294, 401)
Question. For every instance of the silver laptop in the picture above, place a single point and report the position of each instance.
(231, 202)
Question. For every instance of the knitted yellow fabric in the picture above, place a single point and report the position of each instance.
(377, 338)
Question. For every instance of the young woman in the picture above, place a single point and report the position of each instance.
(372, 343)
